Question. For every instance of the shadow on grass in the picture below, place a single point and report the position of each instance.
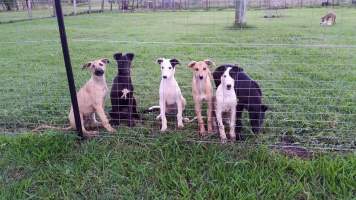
(240, 28)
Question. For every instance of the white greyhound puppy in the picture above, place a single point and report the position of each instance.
(226, 101)
(170, 95)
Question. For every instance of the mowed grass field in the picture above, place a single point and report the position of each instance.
(307, 74)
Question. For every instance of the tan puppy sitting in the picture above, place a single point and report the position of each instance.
(91, 98)
(202, 91)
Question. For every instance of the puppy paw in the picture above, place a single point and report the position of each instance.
(91, 134)
(223, 140)
(210, 130)
(202, 133)
(111, 130)
(180, 126)
(164, 128)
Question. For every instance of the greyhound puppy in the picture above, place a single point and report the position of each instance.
(202, 91)
(226, 101)
(123, 101)
(170, 95)
(329, 19)
(91, 98)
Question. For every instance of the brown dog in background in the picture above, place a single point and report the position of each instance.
(202, 90)
(329, 19)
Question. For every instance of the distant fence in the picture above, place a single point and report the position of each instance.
(17, 10)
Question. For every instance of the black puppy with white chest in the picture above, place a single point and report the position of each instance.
(249, 96)
(122, 97)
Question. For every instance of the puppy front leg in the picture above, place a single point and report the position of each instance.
(162, 105)
(197, 108)
(104, 120)
(221, 126)
(232, 123)
(130, 119)
(73, 125)
(210, 115)
(238, 127)
(180, 113)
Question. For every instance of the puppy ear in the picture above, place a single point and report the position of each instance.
(105, 60)
(264, 108)
(192, 63)
(159, 60)
(174, 62)
(130, 56)
(87, 65)
(117, 56)
(209, 62)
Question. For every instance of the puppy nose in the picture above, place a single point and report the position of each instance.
(164, 77)
(99, 72)
(228, 86)
(201, 77)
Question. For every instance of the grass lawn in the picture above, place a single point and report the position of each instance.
(307, 74)
(53, 166)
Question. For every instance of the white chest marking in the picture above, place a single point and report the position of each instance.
(124, 93)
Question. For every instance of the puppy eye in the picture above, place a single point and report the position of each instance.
(162, 67)
(169, 67)
(196, 69)
(204, 69)
(224, 76)
(101, 64)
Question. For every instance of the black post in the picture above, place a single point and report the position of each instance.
(68, 65)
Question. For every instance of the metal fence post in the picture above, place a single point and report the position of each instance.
(68, 65)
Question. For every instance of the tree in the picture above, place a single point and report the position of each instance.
(240, 13)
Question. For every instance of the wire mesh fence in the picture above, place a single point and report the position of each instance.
(308, 84)
(20, 10)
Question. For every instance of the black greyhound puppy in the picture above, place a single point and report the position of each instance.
(123, 101)
(249, 97)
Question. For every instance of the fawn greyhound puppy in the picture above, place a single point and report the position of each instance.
(91, 99)
(226, 102)
(170, 95)
(329, 19)
(202, 91)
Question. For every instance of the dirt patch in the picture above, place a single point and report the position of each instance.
(15, 174)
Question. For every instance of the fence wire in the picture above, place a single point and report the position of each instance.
(310, 88)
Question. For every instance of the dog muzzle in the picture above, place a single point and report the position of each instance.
(99, 72)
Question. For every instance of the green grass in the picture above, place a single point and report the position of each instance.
(53, 166)
(307, 74)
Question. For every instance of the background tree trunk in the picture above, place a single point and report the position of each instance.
(240, 13)
(29, 9)
(102, 5)
(75, 7)
(89, 4)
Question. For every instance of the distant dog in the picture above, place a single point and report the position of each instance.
(202, 91)
(170, 95)
(226, 102)
(329, 19)
(122, 97)
(91, 100)
(249, 96)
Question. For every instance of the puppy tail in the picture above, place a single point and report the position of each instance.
(42, 127)
(152, 109)
(187, 120)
